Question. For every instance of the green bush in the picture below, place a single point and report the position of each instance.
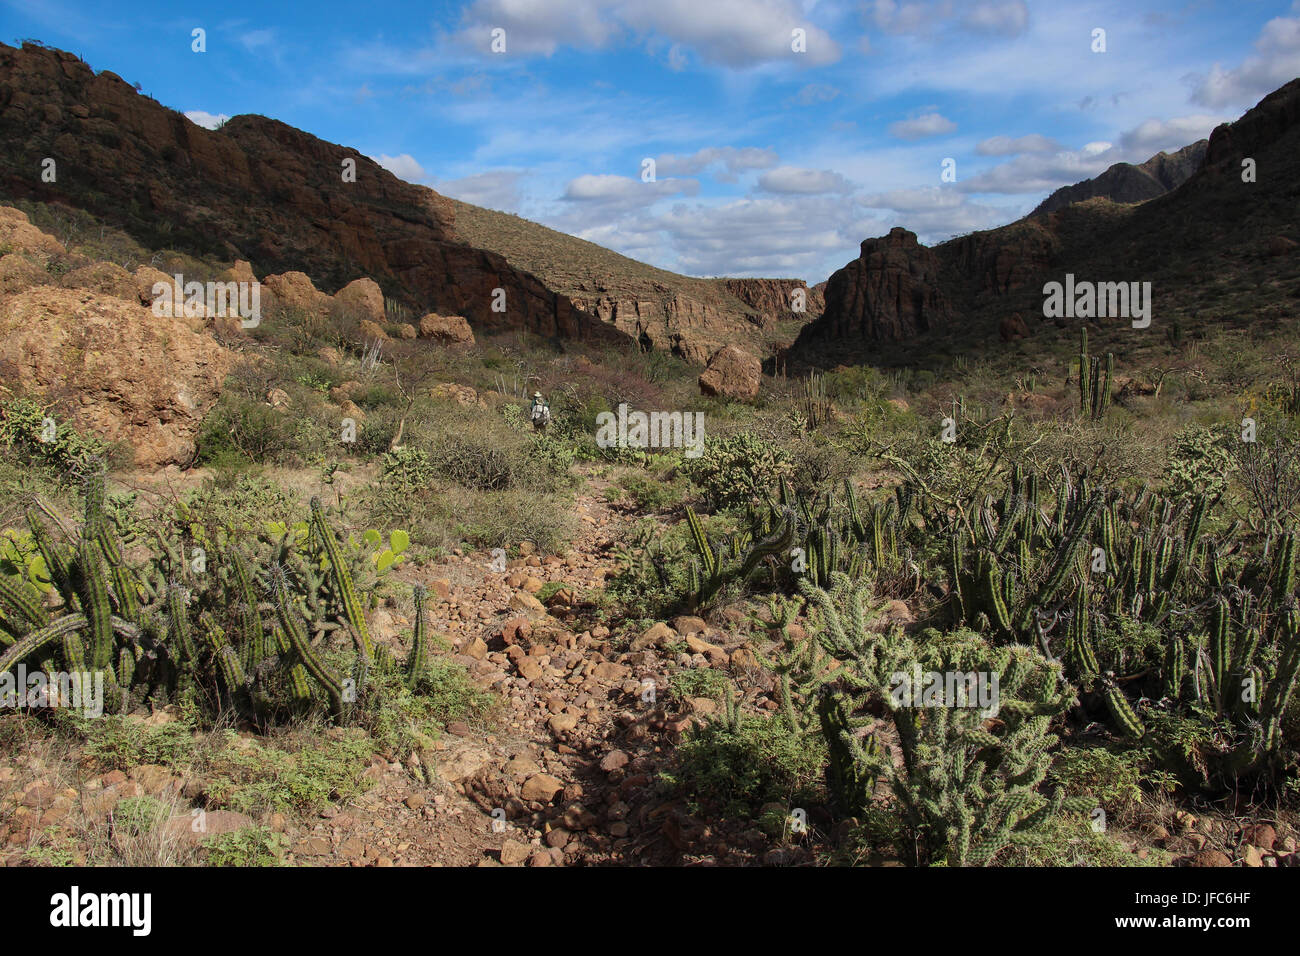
(739, 768)
(25, 432)
(251, 846)
(738, 468)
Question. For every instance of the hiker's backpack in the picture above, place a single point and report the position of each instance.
(541, 414)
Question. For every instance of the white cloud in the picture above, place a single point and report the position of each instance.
(1007, 146)
(808, 182)
(255, 39)
(920, 17)
(1153, 136)
(621, 193)
(928, 124)
(733, 33)
(1275, 62)
(935, 213)
(1041, 172)
(735, 160)
(538, 26)
(893, 17)
(403, 166)
(495, 189)
(767, 237)
(205, 119)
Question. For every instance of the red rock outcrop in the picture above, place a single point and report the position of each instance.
(890, 292)
(256, 189)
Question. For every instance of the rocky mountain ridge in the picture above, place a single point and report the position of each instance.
(1235, 215)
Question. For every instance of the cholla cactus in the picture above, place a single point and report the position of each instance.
(968, 786)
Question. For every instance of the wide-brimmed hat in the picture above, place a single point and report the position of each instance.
(537, 394)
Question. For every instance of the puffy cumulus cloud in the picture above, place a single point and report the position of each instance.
(919, 127)
(1276, 61)
(403, 166)
(205, 119)
(1042, 172)
(614, 194)
(921, 17)
(757, 237)
(494, 189)
(1009, 146)
(734, 159)
(538, 26)
(732, 33)
(808, 182)
(935, 213)
(1153, 136)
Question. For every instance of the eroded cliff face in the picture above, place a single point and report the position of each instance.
(773, 299)
(696, 327)
(890, 292)
(255, 189)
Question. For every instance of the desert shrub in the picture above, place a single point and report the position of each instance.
(817, 462)
(737, 766)
(1269, 474)
(648, 493)
(405, 718)
(251, 846)
(233, 508)
(238, 428)
(1113, 776)
(737, 468)
(256, 778)
(408, 466)
(440, 514)
(138, 815)
(25, 432)
(116, 743)
(477, 461)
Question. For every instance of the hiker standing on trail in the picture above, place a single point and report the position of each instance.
(539, 413)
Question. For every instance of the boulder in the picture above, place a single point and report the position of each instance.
(732, 373)
(373, 331)
(295, 290)
(365, 298)
(125, 374)
(446, 329)
(17, 234)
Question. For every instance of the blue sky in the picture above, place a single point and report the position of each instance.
(768, 161)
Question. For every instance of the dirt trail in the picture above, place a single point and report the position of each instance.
(567, 773)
